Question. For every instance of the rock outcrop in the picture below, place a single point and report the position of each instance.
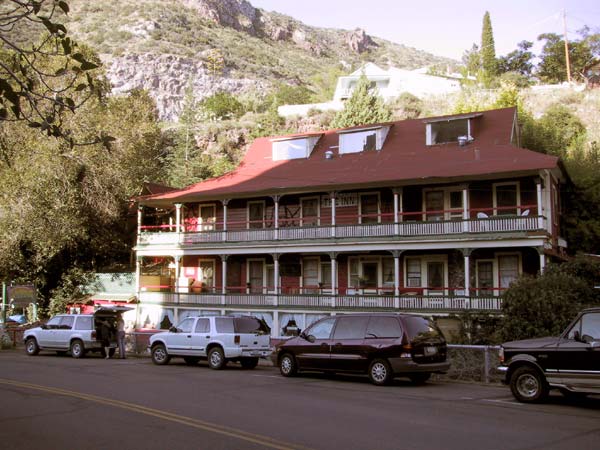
(359, 41)
(166, 78)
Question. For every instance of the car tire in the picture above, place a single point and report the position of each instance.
(191, 360)
(287, 365)
(419, 378)
(528, 385)
(216, 358)
(249, 363)
(380, 372)
(77, 349)
(160, 355)
(31, 347)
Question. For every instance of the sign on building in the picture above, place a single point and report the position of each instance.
(21, 295)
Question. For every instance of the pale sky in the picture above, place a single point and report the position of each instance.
(445, 27)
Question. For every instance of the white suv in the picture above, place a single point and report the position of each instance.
(76, 333)
(219, 339)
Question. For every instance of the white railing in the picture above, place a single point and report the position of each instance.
(384, 302)
(494, 224)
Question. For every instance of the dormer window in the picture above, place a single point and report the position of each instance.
(296, 147)
(362, 139)
(446, 130)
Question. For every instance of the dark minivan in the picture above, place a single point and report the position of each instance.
(383, 345)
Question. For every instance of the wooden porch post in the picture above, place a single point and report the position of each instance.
(332, 196)
(223, 278)
(467, 253)
(396, 254)
(538, 186)
(542, 259)
(334, 284)
(276, 199)
(225, 201)
(140, 212)
(276, 287)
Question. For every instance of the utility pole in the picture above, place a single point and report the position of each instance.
(566, 46)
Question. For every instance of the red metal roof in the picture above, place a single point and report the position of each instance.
(404, 157)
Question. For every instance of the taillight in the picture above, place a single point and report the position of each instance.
(406, 351)
(501, 354)
(236, 339)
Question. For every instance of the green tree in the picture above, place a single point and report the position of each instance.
(65, 207)
(489, 63)
(222, 105)
(518, 61)
(544, 306)
(363, 107)
(471, 60)
(33, 41)
(583, 54)
(407, 106)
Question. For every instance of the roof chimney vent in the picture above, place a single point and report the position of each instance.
(328, 154)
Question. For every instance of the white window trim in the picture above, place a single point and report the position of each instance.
(318, 199)
(447, 191)
(270, 289)
(264, 205)
(214, 216)
(507, 183)
(497, 271)
(321, 280)
(429, 135)
(312, 258)
(264, 273)
(494, 262)
(360, 195)
(361, 260)
(425, 259)
(214, 276)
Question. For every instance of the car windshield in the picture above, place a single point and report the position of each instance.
(250, 325)
(421, 329)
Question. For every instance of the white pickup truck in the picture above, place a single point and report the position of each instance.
(218, 339)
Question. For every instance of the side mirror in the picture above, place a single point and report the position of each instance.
(577, 336)
(310, 338)
(44, 326)
(173, 329)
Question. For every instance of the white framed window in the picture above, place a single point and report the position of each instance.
(310, 275)
(443, 203)
(360, 140)
(507, 199)
(486, 277)
(509, 268)
(428, 272)
(369, 207)
(365, 272)
(445, 131)
(310, 212)
(256, 214)
(206, 273)
(207, 216)
(296, 148)
(256, 276)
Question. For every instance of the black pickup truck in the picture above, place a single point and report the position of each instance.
(570, 362)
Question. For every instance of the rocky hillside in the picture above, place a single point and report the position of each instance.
(165, 45)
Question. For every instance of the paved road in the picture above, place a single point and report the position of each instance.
(52, 402)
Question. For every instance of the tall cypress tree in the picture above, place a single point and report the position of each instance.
(488, 51)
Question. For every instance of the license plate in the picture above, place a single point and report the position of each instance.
(430, 350)
(255, 353)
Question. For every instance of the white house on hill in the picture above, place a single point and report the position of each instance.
(390, 83)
